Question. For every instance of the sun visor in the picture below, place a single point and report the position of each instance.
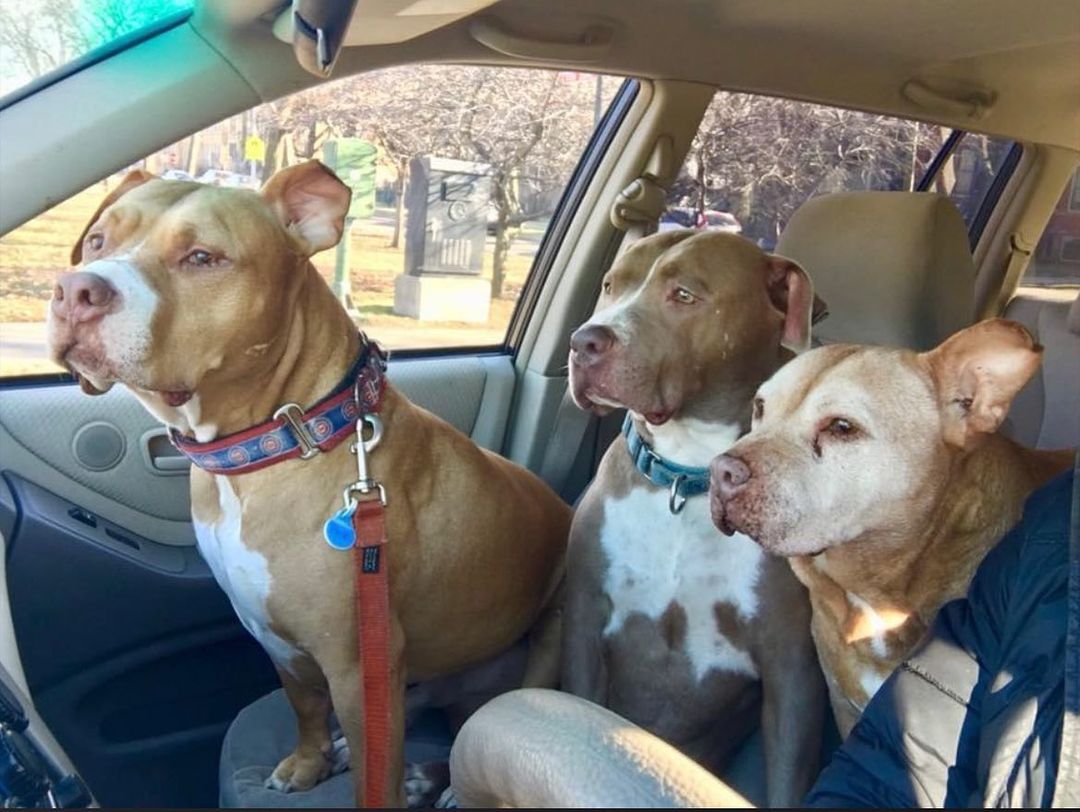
(319, 29)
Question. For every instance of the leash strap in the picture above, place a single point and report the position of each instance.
(373, 631)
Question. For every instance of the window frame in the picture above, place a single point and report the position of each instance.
(1073, 203)
(993, 191)
(993, 194)
(569, 204)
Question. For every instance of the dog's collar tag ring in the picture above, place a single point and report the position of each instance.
(676, 498)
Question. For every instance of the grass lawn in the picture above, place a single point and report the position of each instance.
(31, 257)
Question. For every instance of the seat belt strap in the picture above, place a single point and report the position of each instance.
(1019, 255)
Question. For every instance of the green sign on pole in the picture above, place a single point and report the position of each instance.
(353, 160)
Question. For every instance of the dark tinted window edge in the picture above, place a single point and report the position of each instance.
(95, 56)
(568, 206)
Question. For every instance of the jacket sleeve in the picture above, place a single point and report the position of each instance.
(917, 742)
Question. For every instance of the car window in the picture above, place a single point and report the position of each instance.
(967, 174)
(41, 36)
(455, 172)
(1056, 259)
(756, 159)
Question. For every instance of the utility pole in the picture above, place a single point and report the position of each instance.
(598, 100)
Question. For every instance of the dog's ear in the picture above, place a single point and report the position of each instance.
(977, 372)
(792, 293)
(136, 177)
(311, 203)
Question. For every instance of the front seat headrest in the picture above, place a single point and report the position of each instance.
(894, 267)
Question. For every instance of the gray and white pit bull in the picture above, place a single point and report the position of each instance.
(667, 623)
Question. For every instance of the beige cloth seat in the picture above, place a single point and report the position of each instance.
(1046, 413)
(894, 268)
(541, 749)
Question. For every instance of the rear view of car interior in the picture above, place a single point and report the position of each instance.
(122, 663)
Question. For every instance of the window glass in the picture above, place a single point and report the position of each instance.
(455, 173)
(1056, 260)
(756, 159)
(39, 36)
(967, 174)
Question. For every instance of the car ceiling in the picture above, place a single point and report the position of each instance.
(1005, 67)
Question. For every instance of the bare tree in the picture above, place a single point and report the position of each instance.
(41, 36)
(527, 126)
(761, 157)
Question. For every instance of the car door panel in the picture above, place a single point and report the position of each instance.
(132, 653)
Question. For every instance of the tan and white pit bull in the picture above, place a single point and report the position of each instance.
(666, 622)
(880, 474)
(204, 303)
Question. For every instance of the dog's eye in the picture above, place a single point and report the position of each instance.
(839, 427)
(607, 286)
(759, 408)
(683, 296)
(95, 241)
(201, 258)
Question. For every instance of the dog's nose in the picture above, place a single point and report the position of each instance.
(81, 296)
(728, 474)
(590, 342)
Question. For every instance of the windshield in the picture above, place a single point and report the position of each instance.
(40, 36)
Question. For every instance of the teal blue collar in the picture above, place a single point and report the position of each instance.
(683, 481)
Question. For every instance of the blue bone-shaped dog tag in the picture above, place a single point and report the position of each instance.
(339, 531)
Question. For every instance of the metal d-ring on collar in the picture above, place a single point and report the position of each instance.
(676, 499)
(682, 481)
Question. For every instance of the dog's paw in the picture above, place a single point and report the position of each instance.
(298, 773)
(425, 783)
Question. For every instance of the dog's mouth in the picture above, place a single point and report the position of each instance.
(96, 374)
(602, 405)
(721, 519)
(175, 397)
(725, 515)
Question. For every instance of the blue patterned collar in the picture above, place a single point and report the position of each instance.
(683, 481)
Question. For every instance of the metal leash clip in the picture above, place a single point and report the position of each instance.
(365, 486)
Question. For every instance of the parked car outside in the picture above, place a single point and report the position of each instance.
(223, 177)
(722, 221)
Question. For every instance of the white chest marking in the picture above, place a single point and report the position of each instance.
(688, 441)
(655, 558)
(880, 626)
(242, 573)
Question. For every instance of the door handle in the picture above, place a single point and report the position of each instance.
(161, 456)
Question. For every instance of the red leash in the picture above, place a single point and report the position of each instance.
(373, 630)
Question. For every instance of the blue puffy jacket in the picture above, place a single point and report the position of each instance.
(985, 712)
